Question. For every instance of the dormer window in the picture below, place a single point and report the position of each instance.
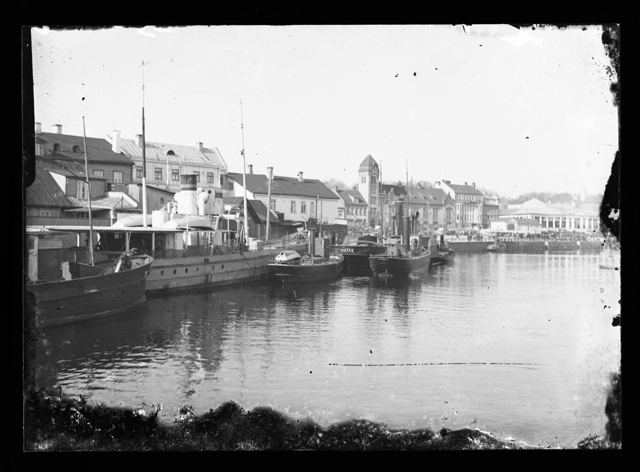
(170, 153)
(56, 147)
(76, 148)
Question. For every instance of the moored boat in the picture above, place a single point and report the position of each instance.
(411, 258)
(442, 257)
(403, 263)
(289, 266)
(190, 250)
(65, 290)
(356, 255)
(440, 252)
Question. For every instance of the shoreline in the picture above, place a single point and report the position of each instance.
(54, 422)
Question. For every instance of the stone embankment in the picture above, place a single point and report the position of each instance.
(526, 246)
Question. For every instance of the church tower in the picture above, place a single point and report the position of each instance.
(368, 186)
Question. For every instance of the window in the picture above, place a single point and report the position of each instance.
(117, 176)
(45, 213)
(56, 147)
(138, 172)
(209, 177)
(363, 179)
(98, 173)
(161, 200)
(273, 205)
(373, 200)
(293, 206)
(303, 207)
(312, 207)
(373, 179)
(158, 173)
(81, 190)
(198, 177)
(175, 175)
(76, 148)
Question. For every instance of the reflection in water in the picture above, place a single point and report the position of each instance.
(520, 345)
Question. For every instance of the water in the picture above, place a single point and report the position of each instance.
(519, 345)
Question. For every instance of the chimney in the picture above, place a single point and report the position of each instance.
(300, 178)
(115, 145)
(58, 129)
(139, 139)
(465, 183)
(250, 166)
(200, 146)
(38, 127)
(473, 184)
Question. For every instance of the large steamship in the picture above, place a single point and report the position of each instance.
(194, 243)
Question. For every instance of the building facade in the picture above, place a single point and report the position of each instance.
(297, 198)
(165, 163)
(469, 203)
(355, 209)
(491, 210)
(369, 187)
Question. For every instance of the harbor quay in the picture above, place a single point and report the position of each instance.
(526, 246)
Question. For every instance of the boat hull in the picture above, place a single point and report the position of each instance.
(356, 258)
(305, 272)
(441, 258)
(67, 301)
(399, 265)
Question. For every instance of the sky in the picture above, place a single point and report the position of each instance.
(513, 110)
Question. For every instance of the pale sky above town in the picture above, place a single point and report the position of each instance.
(512, 110)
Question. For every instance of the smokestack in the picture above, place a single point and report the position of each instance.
(399, 216)
(200, 146)
(38, 127)
(115, 146)
(58, 129)
(407, 233)
(300, 178)
(312, 242)
(139, 140)
(250, 166)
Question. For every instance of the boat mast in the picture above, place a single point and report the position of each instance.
(144, 158)
(244, 179)
(86, 167)
(269, 178)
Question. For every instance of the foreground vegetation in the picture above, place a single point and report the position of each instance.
(57, 423)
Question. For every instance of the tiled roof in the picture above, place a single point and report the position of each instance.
(350, 196)
(284, 186)
(397, 189)
(258, 208)
(461, 188)
(113, 201)
(98, 149)
(367, 163)
(213, 154)
(182, 154)
(432, 196)
(45, 191)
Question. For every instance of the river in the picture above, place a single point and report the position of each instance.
(518, 345)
